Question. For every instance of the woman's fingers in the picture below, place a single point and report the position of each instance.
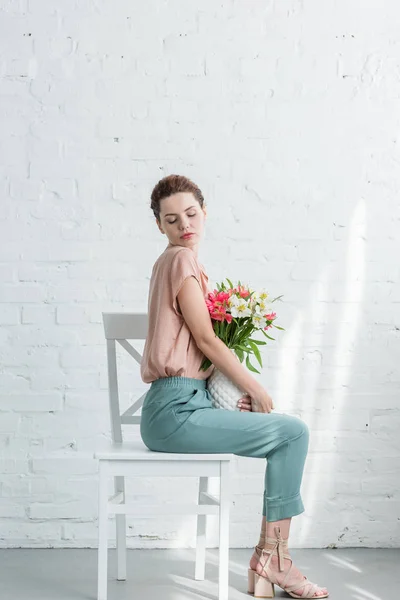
(244, 404)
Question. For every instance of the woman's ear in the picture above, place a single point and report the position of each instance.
(159, 227)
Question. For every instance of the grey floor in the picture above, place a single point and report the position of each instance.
(69, 574)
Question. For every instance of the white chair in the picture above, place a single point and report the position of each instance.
(134, 459)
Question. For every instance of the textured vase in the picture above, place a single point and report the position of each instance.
(224, 393)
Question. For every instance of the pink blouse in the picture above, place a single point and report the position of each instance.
(170, 349)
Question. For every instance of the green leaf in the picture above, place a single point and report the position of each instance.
(205, 364)
(230, 283)
(250, 366)
(240, 354)
(277, 327)
(258, 342)
(256, 352)
(243, 347)
(265, 333)
(268, 336)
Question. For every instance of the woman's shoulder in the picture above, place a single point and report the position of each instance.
(184, 253)
(168, 258)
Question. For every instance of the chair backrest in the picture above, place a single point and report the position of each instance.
(120, 327)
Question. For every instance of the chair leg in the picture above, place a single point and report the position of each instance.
(224, 531)
(201, 535)
(103, 533)
(120, 523)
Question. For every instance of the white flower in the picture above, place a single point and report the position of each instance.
(239, 307)
(262, 295)
(262, 307)
(258, 321)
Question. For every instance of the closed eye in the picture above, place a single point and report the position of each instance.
(171, 222)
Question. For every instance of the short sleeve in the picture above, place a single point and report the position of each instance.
(183, 265)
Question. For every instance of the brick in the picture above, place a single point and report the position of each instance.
(71, 510)
(39, 315)
(20, 447)
(349, 420)
(15, 486)
(363, 443)
(14, 382)
(71, 315)
(88, 400)
(83, 357)
(10, 510)
(41, 273)
(15, 7)
(316, 463)
(385, 464)
(22, 293)
(385, 421)
(7, 273)
(12, 465)
(378, 485)
(10, 251)
(30, 402)
(68, 292)
(62, 379)
(26, 189)
(9, 314)
(81, 535)
(40, 535)
(64, 464)
(62, 251)
(322, 441)
(9, 422)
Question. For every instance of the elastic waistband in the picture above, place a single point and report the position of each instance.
(197, 384)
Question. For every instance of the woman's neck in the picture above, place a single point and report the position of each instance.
(192, 248)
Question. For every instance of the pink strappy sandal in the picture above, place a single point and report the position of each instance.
(262, 586)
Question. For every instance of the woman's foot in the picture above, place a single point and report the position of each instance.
(259, 559)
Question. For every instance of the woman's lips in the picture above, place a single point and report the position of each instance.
(187, 235)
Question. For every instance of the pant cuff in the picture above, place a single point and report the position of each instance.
(275, 510)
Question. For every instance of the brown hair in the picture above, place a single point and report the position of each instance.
(172, 184)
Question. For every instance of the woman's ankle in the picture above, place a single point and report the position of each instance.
(268, 546)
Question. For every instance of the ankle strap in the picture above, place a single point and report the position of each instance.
(280, 545)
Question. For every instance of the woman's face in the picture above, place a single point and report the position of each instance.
(181, 214)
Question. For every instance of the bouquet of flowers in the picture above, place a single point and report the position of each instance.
(237, 312)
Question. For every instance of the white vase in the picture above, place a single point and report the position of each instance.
(224, 393)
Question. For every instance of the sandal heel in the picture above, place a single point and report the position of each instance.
(250, 581)
(263, 588)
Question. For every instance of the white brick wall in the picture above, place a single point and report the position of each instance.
(286, 114)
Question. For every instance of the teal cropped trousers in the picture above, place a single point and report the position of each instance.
(178, 416)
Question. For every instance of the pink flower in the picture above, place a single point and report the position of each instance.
(217, 304)
(221, 315)
(270, 317)
(217, 300)
(242, 291)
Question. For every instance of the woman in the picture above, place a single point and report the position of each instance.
(177, 414)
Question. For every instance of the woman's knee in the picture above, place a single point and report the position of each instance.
(296, 428)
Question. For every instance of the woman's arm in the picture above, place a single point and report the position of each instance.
(195, 312)
(225, 361)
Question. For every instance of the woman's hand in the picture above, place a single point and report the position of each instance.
(244, 403)
(261, 401)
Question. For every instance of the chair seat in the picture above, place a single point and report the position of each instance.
(136, 450)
